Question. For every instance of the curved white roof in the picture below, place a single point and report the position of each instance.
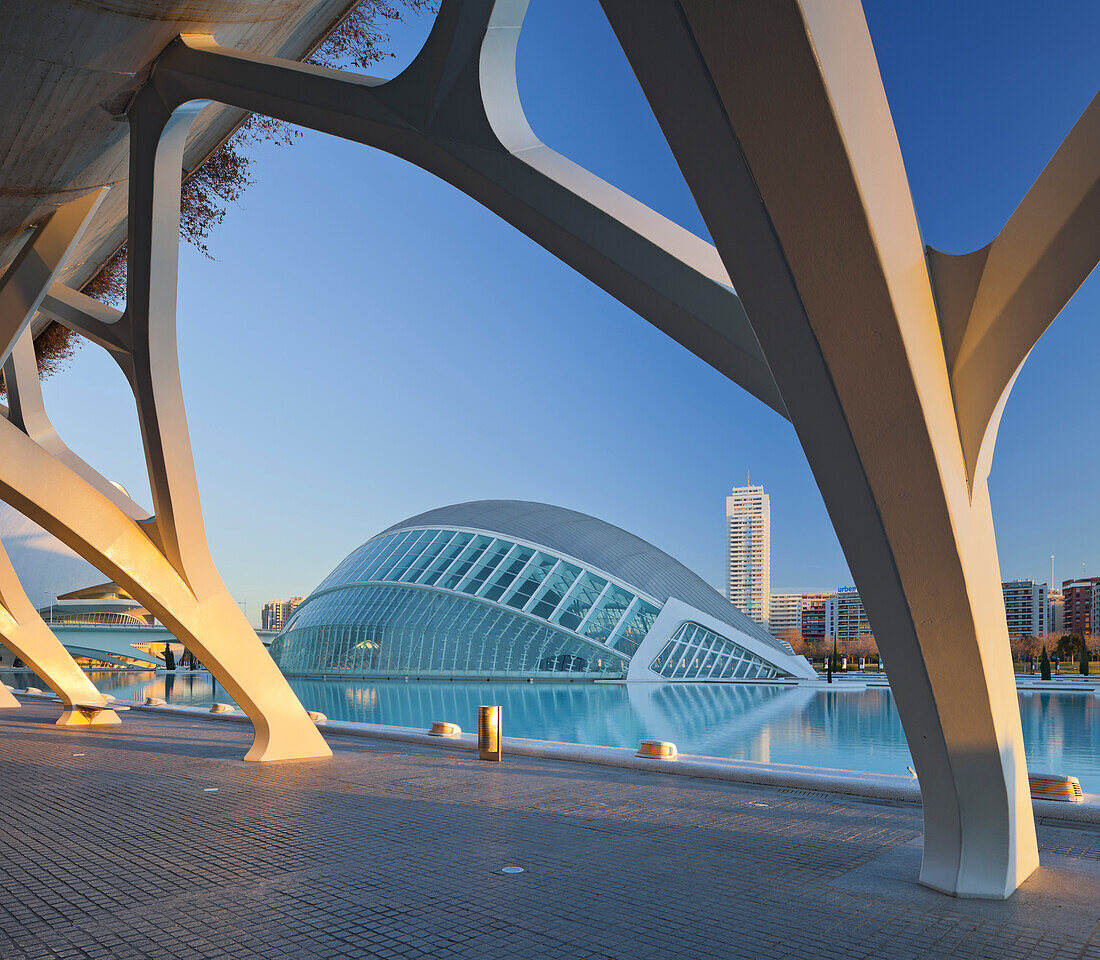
(45, 566)
(595, 543)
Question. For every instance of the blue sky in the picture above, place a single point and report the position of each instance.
(369, 343)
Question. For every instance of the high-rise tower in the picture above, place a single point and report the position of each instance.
(749, 529)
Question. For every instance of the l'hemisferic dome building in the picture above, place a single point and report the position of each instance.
(511, 589)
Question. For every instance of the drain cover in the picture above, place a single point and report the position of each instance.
(511, 869)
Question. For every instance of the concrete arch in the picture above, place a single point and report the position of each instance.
(775, 111)
(796, 120)
(162, 560)
(22, 289)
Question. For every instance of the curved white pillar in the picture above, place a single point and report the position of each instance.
(777, 116)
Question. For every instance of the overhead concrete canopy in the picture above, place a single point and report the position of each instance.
(68, 72)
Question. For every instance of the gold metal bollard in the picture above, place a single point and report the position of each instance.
(488, 733)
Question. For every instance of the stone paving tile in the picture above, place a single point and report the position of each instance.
(394, 851)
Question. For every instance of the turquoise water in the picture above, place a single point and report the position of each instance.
(857, 730)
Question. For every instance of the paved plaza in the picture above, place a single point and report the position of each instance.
(154, 840)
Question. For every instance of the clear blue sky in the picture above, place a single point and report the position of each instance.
(369, 343)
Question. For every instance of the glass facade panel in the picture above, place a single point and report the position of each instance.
(508, 571)
(391, 545)
(632, 628)
(390, 629)
(489, 561)
(584, 593)
(438, 602)
(526, 584)
(456, 573)
(695, 653)
(608, 613)
(416, 570)
(396, 555)
(446, 558)
(414, 548)
(553, 591)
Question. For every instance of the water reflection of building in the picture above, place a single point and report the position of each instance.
(505, 588)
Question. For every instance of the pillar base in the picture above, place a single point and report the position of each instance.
(981, 882)
(291, 744)
(88, 717)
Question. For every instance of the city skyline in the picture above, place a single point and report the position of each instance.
(456, 285)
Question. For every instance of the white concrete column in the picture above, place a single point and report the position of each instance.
(777, 116)
(22, 289)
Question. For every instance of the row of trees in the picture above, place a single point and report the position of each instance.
(1069, 648)
(864, 646)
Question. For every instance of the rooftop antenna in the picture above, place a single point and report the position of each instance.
(1052, 571)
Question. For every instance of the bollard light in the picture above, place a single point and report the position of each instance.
(489, 726)
(1053, 786)
(155, 702)
(222, 708)
(656, 750)
(442, 728)
(316, 716)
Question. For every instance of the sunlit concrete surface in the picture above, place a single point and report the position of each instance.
(160, 842)
(68, 71)
(771, 108)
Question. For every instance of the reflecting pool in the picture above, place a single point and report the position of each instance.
(856, 730)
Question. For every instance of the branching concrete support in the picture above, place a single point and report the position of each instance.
(24, 632)
(45, 480)
(92, 522)
(661, 270)
(22, 288)
(776, 113)
(777, 116)
(455, 112)
(996, 302)
(35, 267)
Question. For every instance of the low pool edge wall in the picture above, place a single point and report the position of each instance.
(844, 783)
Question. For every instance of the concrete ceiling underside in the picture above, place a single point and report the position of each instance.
(67, 71)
